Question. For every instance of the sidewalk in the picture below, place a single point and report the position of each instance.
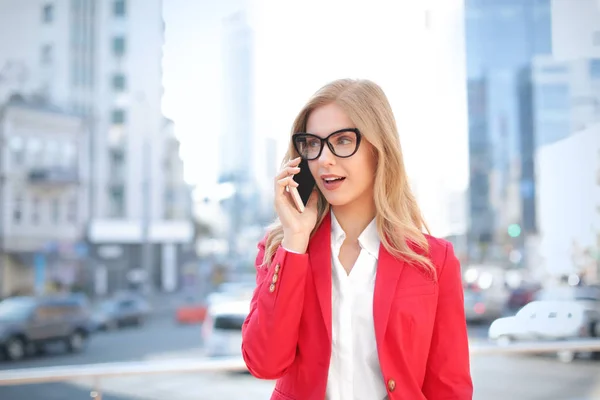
(187, 387)
(205, 386)
(224, 386)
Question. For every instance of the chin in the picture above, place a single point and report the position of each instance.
(336, 200)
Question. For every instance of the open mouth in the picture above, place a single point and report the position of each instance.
(332, 183)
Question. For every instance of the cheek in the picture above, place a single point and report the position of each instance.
(314, 168)
(364, 171)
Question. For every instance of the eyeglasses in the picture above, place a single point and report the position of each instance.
(343, 143)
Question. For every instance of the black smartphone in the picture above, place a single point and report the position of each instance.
(306, 184)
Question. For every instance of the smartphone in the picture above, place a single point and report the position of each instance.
(306, 184)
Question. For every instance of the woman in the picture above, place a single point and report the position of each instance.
(353, 301)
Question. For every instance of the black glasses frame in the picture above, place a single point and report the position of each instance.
(326, 140)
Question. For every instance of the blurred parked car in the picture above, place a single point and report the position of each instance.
(544, 320)
(228, 291)
(27, 324)
(485, 293)
(222, 330)
(120, 311)
(523, 295)
(195, 311)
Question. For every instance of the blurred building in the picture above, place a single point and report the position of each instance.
(566, 97)
(43, 193)
(538, 85)
(243, 151)
(568, 131)
(502, 37)
(568, 180)
(575, 29)
(178, 194)
(102, 60)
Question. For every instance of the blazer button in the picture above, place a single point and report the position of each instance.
(391, 385)
(272, 288)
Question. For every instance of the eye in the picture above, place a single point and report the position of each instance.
(313, 142)
(344, 140)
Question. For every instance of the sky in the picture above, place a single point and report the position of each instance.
(417, 58)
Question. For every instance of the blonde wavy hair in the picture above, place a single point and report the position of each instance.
(399, 220)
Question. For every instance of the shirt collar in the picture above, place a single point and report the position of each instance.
(368, 239)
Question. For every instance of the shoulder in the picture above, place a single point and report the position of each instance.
(437, 246)
(441, 252)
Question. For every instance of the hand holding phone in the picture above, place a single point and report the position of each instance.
(296, 203)
(306, 184)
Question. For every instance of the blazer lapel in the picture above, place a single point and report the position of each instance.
(389, 269)
(319, 253)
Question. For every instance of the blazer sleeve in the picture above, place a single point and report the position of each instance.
(448, 375)
(270, 332)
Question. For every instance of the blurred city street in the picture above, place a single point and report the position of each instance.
(496, 378)
(140, 141)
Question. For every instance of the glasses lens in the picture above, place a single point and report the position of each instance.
(307, 146)
(344, 143)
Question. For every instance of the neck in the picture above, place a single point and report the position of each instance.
(355, 217)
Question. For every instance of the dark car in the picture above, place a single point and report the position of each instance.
(27, 324)
(125, 310)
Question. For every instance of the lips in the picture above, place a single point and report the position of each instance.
(332, 182)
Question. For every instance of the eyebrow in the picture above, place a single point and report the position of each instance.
(332, 133)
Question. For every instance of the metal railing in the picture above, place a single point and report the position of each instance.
(97, 372)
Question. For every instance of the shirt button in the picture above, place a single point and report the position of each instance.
(277, 268)
(391, 385)
(275, 278)
(272, 288)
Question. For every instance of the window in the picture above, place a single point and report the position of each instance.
(48, 13)
(69, 154)
(55, 211)
(118, 46)
(72, 210)
(119, 8)
(553, 97)
(18, 209)
(117, 164)
(555, 69)
(595, 68)
(117, 200)
(46, 55)
(118, 82)
(35, 211)
(118, 117)
(34, 150)
(17, 149)
(51, 153)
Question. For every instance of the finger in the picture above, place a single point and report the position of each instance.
(287, 181)
(294, 162)
(287, 171)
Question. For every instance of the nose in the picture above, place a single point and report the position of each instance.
(326, 158)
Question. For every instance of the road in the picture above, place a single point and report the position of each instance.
(157, 338)
(496, 378)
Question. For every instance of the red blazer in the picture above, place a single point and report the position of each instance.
(420, 324)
